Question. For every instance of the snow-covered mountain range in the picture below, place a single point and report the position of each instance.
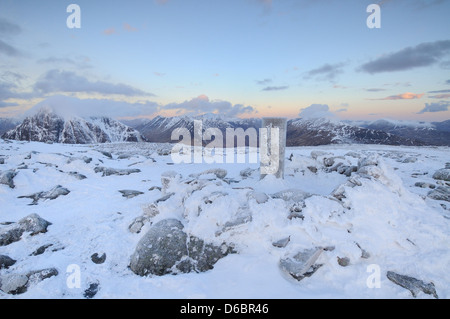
(48, 126)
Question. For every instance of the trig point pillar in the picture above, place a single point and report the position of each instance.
(272, 146)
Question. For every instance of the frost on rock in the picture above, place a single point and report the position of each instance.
(442, 174)
(7, 178)
(167, 178)
(292, 195)
(440, 193)
(32, 224)
(412, 284)
(16, 284)
(113, 171)
(303, 264)
(52, 194)
(219, 172)
(167, 249)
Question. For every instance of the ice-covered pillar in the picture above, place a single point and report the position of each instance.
(272, 146)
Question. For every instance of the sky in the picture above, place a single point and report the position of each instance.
(238, 58)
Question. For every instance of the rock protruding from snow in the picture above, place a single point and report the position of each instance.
(6, 261)
(412, 284)
(16, 284)
(303, 264)
(98, 259)
(292, 195)
(218, 172)
(167, 249)
(442, 174)
(32, 224)
(114, 171)
(7, 178)
(52, 194)
(440, 193)
(128, 193)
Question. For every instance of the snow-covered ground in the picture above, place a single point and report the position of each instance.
(380, 215)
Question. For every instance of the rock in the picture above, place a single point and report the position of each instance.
(154, 187)
(344, 262)
(313, 169)
(86, 159)
(247, 172)
(166, 249)
(364, 253)
(32, 223)
(328, 161)
(6, 262)
(260, 197)
(112, 171)
(52, 194)
(410, 159)
(371, 160)
(77, 175)
(96, 259)
(2, 160)
(7, 178)
(23, 166)
(107, 154)
(219, 172)
(90, 292)
(353, 154)
(14, 284)
(440, 193)
(370, 170)
(346, 170)
(442, 174)
(294, 195)
(167, 178)
(412, 284)
(424, 185)
(282, 242)
(127, 193)
(164, 198)
(41, 250)
(302, 264)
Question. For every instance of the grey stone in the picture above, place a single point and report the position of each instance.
(316, 154)
(302, 264)
(107, 154)
(371, 160)
(41, 250)
(424, 185)
(86, 159)
(164, 198)
(34, 224)
(154, 187)
(77, 175)
(127, 193)
(328, 161)
(96, 259)
(346, 170)
(167, 178)
(294, 195)
(6, 261)
(7, 178)
(344, 262)
(282, 242)
(442, 174)
(2, 160)
(37, 276)
(260, 197)
(52, 194)
(14, 284)
(412, 284)
(167, 249)
(440, 193)
(247, 172)
(313, 169)
(410, 159)
(113, 171)
(219, 172)
(23, 166)
(92, 290)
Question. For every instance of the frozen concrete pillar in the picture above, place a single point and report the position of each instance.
(272, 146)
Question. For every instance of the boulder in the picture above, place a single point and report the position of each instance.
(6, 262)
(77, 175)
(281, 243)
(41, 250)
(113, 171)
(52, 194)
(7, 178)
(2, 160)
(412, 284)
(96, 259)
(219, 172)
(442, 174)
(440, 193)
(127, 193)
(32, 223)
(167, 249)
(15, 284)
(344, 262)
(303, 264)
(294, 195)
(92, 290)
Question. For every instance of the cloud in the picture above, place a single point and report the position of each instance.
(129, 28)
(202, 104)
(266, 81)
(6, 104)
(70, 106)
(159, 73)
(110, 31)
(375, 90)
(440, 96)
(65, 81)
(275, 88)
(440, 91)
(81, 62)
(327, 72)
(424, 54)
(447, 82)
(8, 90)
(403, 96)
(435, 107)
(8, 50)
(315, 111)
